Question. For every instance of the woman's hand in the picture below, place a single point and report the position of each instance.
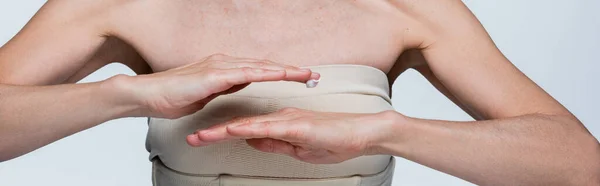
(313, 137)
(182, 91)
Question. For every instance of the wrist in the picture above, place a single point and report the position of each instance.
(394, 134)
(122, 94)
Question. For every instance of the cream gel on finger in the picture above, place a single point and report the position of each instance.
(312, 83)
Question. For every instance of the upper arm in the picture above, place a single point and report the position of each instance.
(463, 62)
(62, 42)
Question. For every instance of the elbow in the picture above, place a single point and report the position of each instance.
(581, 153)
(587, 166)
(8, 151)
(3, 159)
(6, 154)
(592, 174)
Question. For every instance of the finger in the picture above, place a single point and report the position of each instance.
(290, 131)
(214, 58)
(219, 132)
(232, 63)
(194, 141)
(206, 137)
(251, 63)
(203, 138)
(282, 114)
(249, 75)
(226, 62)
(254, 63)
(272, 146)
(229, 62)
(292, 71)
(215, 134)
(315, 76)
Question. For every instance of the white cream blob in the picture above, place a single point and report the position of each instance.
(312, 83)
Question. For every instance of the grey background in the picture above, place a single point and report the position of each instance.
(556, 43)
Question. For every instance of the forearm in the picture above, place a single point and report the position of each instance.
(525, 150)
(34, 116)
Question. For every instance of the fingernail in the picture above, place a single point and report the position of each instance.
(193, 140)
(315, 76)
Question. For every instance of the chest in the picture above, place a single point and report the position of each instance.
(300, 33)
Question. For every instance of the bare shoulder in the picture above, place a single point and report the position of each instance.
(439, 17)
(72, 11)
(69, 35)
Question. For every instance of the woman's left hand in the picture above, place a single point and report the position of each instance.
(313, 137)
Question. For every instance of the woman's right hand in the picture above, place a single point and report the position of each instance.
(184, 90)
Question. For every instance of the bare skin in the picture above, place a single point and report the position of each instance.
(523, 136)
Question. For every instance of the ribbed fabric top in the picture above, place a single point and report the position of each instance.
(343, 88)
